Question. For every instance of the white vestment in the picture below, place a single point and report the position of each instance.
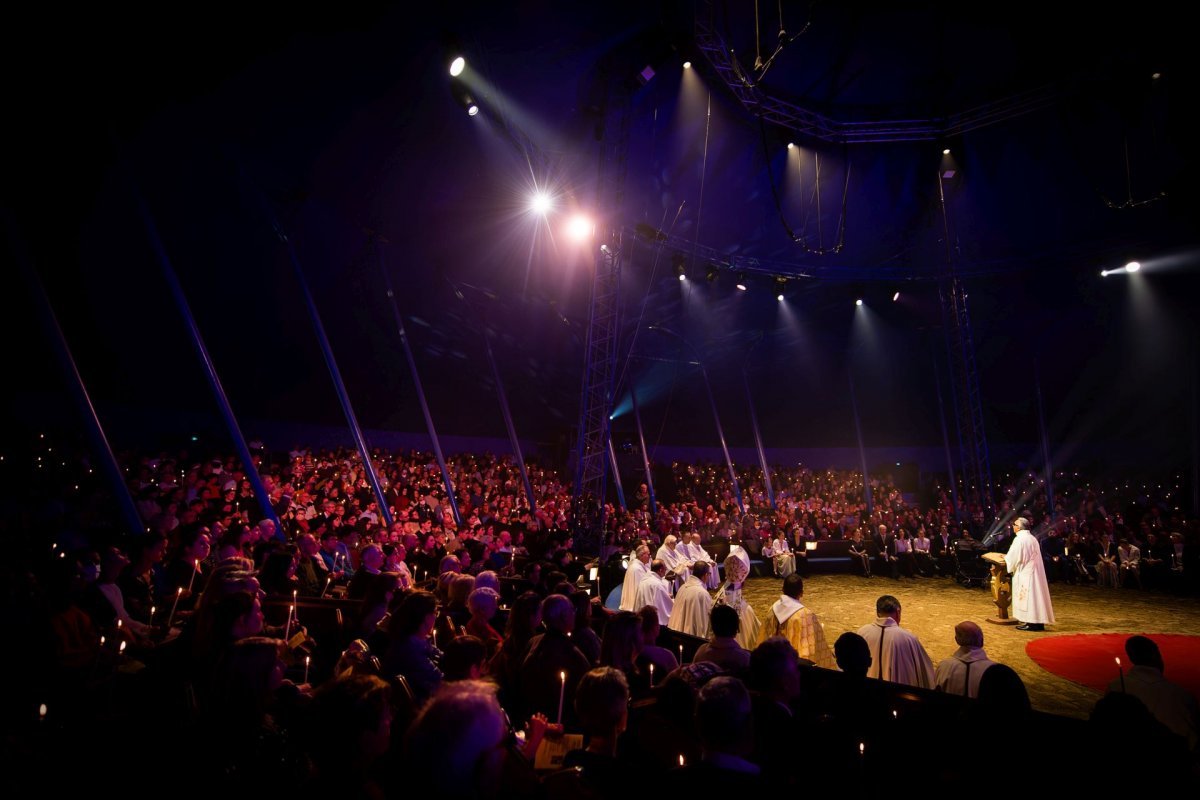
(654, 591)
(693, 604)
(896, 654)
(694, 552)
(633, 576)
(960, 673)
(1030, 590)
(676, 562)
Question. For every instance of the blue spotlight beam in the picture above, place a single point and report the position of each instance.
(937, 380)
(508, 423)
(210, 370)
(737, 489)
(336, 374)
(758, 442)
(862, 452)
(612, 462)
(108, 461)
(1046, 465)
(637, 417)
(416, 376)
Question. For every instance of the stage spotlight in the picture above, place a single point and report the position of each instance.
(540, 203)
(895, 297)
(780, 286)
(946, 152)
(1132, 267)
(687, 65)
(1129, 268)
(741, 282)
(791, 145)
(677, 261)
(472, 110)
(858, 302)
(579, 227)
(457, 66)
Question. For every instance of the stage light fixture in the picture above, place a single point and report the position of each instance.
(741, 281)
(472, 110)
(895, 297)
(1132, 267)
(780, 286)
(791, 145)
(579, 227)
(687, 65)
(677, 261)
(540, 203)
(457, 66)
(946, 151)
(858, 302)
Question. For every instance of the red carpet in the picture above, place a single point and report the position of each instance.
(1088, 659)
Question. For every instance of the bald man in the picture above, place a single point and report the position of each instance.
(960, 673)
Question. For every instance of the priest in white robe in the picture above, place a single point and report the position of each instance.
(638, 568)
(656, 592)
(1030, 590)
(693, 604)
(677, 563)
(896, 654)
(694, 552)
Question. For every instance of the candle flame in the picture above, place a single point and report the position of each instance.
(179, 592)
(563, 676)
(42, 714)
(121, 649)
(680, 755)
(861, 747)
(1118, 661)
(102, 641)
(307, 659)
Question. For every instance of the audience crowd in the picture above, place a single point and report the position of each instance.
(340, 653)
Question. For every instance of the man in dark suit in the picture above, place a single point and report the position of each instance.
(942, 551)
(886, 562)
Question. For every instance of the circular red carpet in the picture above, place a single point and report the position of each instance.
(1088, 659)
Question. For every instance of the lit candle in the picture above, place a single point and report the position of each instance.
(192, 580)
(102, 641)
(562, 691)
(151, 623)
(435, 638)
(326, 589)
(118, 624)
(1121, 672)
(307, 659)
(681, 654)
(651, 674)
(121, 649)
(171, 616)
(287, 628)
(681, 759)
(42, 713)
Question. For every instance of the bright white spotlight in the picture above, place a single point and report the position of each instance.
(791, 145)
(540, 203)
(579, 228)
(946, 152)
(741, 287)
(682, 277)
(895, 297)
(858, 302)
(457, 66)
(472, 110)
(687, 65)
(1132, 266)
(779, 297)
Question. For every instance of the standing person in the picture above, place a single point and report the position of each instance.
(797, 623)
(737, 569)
(654, 591)
(638, 568)
(1030, 590)
(897, 655)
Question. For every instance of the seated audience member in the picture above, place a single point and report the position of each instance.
(663, 659)
(860, 553)
(371, 566)
(350, 732)
(552, 661)
(655, 591)
(1170, 703)
(724, 721)
(505, 667)
(483, 605)
(376, 602)
(852, 654)
(961, 672)
(455, 747)
(1129, 558)
(620, 647)
(410, 653)
(723, 649)
(585, 637)
(602, 706)
(464, 658)
(775, 679)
